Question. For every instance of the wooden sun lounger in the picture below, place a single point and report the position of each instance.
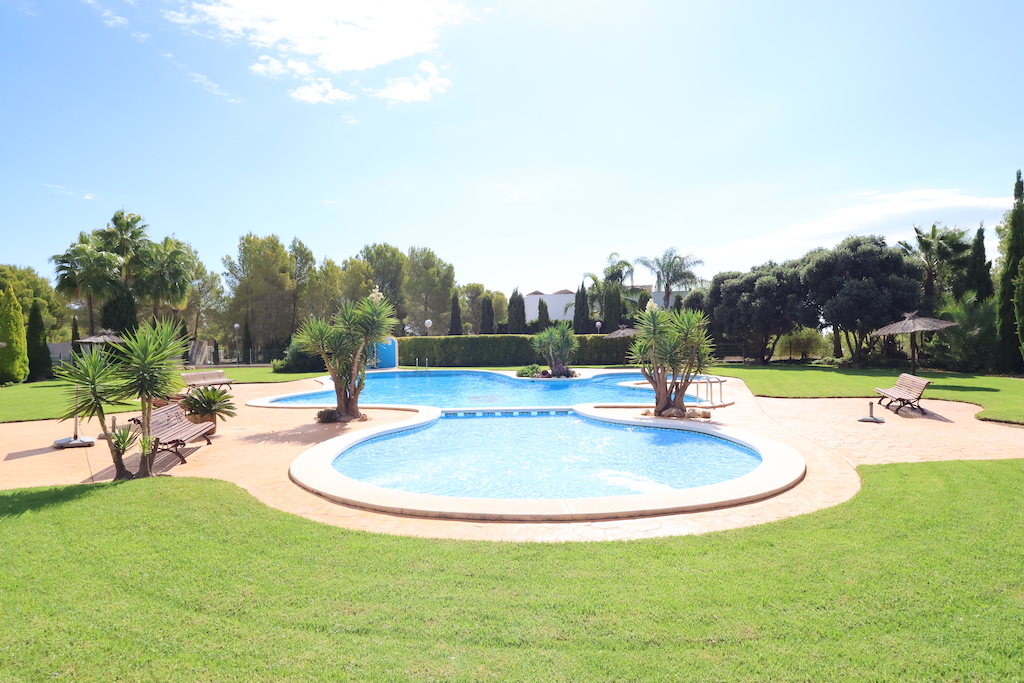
(907, 392)
(206, 378)
(172, 429)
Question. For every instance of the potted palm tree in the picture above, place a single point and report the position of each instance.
(206, 404)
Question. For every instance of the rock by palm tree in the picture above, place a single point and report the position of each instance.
(671, 269)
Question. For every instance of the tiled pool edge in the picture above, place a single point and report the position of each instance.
(782, 468)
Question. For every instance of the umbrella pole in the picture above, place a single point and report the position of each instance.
(913, 353)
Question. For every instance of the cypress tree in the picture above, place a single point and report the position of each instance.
(581, 312)
(1018, 304)
(75, 346)
(120, 313)
(612, 309)
(455, 326)
(516, 313)
(1008, 353)
(978, 274)
(486, 315)
(543, 317)
(39, 364)
(677, 304)
(13, 356)
(641, 301)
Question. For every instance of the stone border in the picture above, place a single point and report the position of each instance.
(781, 468)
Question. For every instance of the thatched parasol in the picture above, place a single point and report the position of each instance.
(911, 324)
(623, 331)
(102, 337)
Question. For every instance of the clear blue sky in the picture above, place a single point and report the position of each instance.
(522, 140)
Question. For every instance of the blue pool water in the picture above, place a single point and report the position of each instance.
(543, 457)
(467, 389)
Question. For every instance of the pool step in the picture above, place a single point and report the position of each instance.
(506, 412)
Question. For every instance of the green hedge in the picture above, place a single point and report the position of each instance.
(502, 349)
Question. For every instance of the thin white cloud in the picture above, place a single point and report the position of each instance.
(320, 90)
(109, 17)
(349, 36)
(89, 195)
(415, 89)
(59, 188)
(268, 66)
(892, 214)
(310, 36)
(349, 119)
(141, 37)
(212, 87)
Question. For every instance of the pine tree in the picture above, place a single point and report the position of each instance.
(978, 274)
(581, 313)
(246, 350)
(516, 313)
(486, 315)
(543, 317)
(1008, 354)
(39, 364)
(13, 356)
(455, 326)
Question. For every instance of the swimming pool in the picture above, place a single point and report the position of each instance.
(477, 389)
(780, 468)
(551, 455)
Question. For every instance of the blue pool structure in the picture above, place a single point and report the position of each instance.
(477, 389)
(480, 445)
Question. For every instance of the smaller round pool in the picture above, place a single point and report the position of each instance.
(545, 456)
(587, 463)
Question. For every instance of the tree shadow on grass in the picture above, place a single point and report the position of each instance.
(19, 501)
(960, 387)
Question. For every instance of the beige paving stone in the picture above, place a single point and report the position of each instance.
(255, 449)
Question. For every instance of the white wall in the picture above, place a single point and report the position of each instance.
(556, 303)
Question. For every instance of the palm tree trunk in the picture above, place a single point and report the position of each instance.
(121, 472)
(146, 458)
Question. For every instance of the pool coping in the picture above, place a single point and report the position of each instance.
(782, 467)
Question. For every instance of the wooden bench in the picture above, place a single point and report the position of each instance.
(206, 378)
(907, 392)
(172, 429)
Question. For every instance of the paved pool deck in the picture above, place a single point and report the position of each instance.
(255, 449)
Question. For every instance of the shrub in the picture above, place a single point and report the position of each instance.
(528, 371)
(14, 356)
(296, 360)
(505, 349)
(39, 364)
(327, 415)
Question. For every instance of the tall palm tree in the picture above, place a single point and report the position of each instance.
(939, 251)
(149, 367)
(95, 386)
(165, 275)
(85, 271)
(125, 235)
(671, 269)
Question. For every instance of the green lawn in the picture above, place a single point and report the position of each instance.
(46, 400)
(917, 578)
(1001, 397)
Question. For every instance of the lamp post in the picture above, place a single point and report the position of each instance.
(429, 324)
(599, 327)
(238, 358)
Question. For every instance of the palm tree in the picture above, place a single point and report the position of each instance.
(938, 251)
(671, 269)
(125, 236)
(148, 368)
(165, 274)
(95, 386)
(87, 272)
(342, 344)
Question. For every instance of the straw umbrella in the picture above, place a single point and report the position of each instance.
(912, 324)
(623, 331)
(102, 337)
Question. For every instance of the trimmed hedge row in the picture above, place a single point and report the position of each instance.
(503, 349)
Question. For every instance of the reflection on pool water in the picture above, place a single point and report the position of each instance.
(543, 457)
(468, 389)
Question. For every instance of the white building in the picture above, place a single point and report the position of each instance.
(556, 302)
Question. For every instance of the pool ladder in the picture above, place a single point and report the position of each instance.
(426, 364)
